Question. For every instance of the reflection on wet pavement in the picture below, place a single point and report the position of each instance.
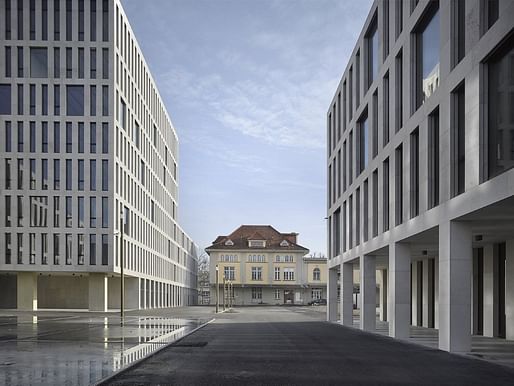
(79, 350)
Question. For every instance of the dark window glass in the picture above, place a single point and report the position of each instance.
(8, 19)
(20, 99)
(8, 62)
(398, 186)
(385, 36)
(69, 246)
(414, 173)
(92, 212)
(81, 62)
(92, 20)
(57, 137)
(44, 19)
(44, 174)
(44, 137)
(32, 137)
(92, 249)
(56, 249)
(433, 159)
(38, 62)
(92, 101)
(105, 101)
(363, 143)
(5, 99)
(69, 137)
(80, 174)
(44, 99)
(399, 91)
(372, 52)
(57, 62)
(458, 130)
(69, 173)
(105, 138)
(105, 63)
(20, 62)
(81, 20)
(105, 175)
(92, 175)
(68, 20)
(75, 100)
(20, 137)
(20, 19)
(57, 21)
(399, 17)
(92, 137)
(92, 62)
(105, 250)
(32, 19)
(8, 137)
(458, 30)
(57, 100)
(105, 20)
(105, 212)
(69, 63)
(81, 137)
(32, 100)
(57, 179)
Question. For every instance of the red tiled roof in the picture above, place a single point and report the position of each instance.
(244, 233)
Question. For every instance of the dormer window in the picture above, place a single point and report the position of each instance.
(284, 243)
(229, 243)
(257, 243)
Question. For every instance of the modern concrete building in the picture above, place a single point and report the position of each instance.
(265, 267)
(85, 141)
(420, 157)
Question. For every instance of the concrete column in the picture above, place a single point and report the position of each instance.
(98, 292)
(399, 290)
(332, 295)
(383, 295)
(455, 264)
(428, 293)
(132, 293)
(414, 294)
(490, 292)
(509, 289)
(436, 293)
(346, 283)
(368, 285)
(27, 291)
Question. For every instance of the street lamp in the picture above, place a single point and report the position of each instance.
(217, 290)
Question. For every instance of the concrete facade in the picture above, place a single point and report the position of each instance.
(420, 178)
(86, 142)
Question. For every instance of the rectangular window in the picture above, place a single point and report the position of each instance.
(38, 62)
(500, 116)
(81, 20)
(105, 101)
(458, 144)
(32, 19)
(20, 137)
(350, 222)
(8, 137)
(257, 273)
(44, 174)
(69, 20)
(20, 173)
(489, 12)
(92, 20)
(350, 93)
(69, 173)
(56, 211)
(92, 100)
(92, 212)
(92, 249)
(69, 63)
(427, 55)
(277, 294)
(8, 174)
(337, 232)
(123, 115)
(69, 137)
(80, 174)
(32, 99)
(20, 99)
(44, 248)
(343, 171)
(229, 273)
(398, 18)
(44, 99)
(357, 79)
(57, 137)
(358, 216)
(5, 99)
(69, 211)
(289, 274)
(339, 116)
(256, 293)
(19, 202)
(32, 248)
(7, 211)
(57, 249)
(80, 211)
(81, 137)
(92, 63)
(458, 31)
(385, 194)
(433, 159)
(374, 199)
(20, 62)
(277, 273)
(8, 64)
(80, 61)
(343, 221)
(414, 173)
(105, 212)
(372, 51)
(38, 211)
(105, 20)
(398, 185)
(105, 250)
(20, 19)
(105, 138)
(75, 100)
(68, 248)
(57, 20)
(8, 19)
(44, 19)
(363, 143)
(399, 90)
(105, 175)
(57, 62)
(105, 63)
(385, 29)
(8, 248)
(20, 248)
(57, 174)
(92, 137)
(365, 211)
(32, 174)
(374, 123)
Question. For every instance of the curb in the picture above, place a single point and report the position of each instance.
(133, 364)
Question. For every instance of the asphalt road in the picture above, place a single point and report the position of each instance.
(294, 346)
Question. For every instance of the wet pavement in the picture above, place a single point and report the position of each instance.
(81, 348)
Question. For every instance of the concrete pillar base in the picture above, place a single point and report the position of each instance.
(98, 292)
(368, 293)
(346, 281)
(399, 290)
(332, 295)
(27, 291)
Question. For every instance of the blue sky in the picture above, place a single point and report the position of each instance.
(247, 85)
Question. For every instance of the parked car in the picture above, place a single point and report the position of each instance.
(318, 302)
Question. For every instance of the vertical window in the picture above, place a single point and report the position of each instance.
(57, 137)
(69, 63)
(8, 137)
(57, 62)
(81, 20)
(92, 175)
(80, 174)
(500, 99)
(398, 185)
(350, 93)
(339, 116)
(20, 62)
(92, 103)
(44, 19)
(57, 174)
(5, 99)
(68, 248)
(385, 29)
(105, 175)
(105, 212)
(350, 222)
(20, 173)
(57, 249)
(414, 173)
(20, 99)
(20, 137)
(358, 216)
(80, 211)
(92, 249)
(398, 11)
(81, 62)
(81, 137)
(57, 20)
(32, 19)
(343, 171)
(44, 137)
(44, 248)
(375, 203)
(68, 20)
(329, 133)
(374, 122)
(92, 137)
(20, 19)
(44, 174)
(372, 52)
(427, 56)
(105, 137)
(343, 107)
(385, 194)
(32, 100)
(105, 63)
(365, 211)
(7, 211)
(69, 213)
(69, 137)
(75, 100)
(357, 79)
(337, 231)
(32, 248)
(69, 173)
(38, 62)
(489, 12)
(56, 211)
(8, 67)
(458, 130)
(92, 63)
(105, 20)
(20, 248)
(339, 172)
(8, 19)
(123, 115)
(458, 31)
(433, 159)
(105, 101)
(32, 174)
(44, 99)
(20, 210)
(105, 250)
(363, 143)
(399, 90)
(8, 178)
(92, 212)
(92, 20)
(8, 248)
(350, 158)
(57, 100)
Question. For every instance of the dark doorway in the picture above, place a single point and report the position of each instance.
(501, 290)
(288, 297)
